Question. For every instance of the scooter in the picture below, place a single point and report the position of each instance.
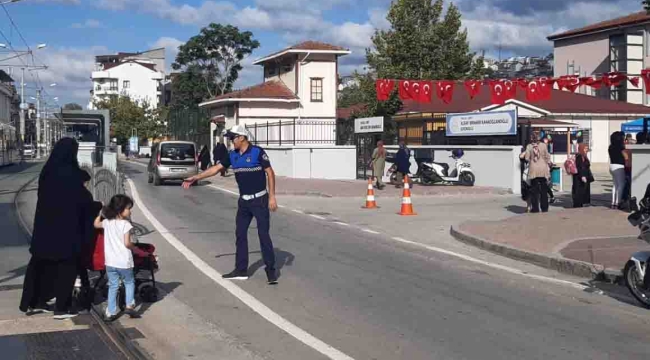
(636, 273)
(434, 172)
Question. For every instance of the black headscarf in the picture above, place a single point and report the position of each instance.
(63, 207)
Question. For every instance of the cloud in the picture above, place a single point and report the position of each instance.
(171, 49)
(88, 24)
(72, 2)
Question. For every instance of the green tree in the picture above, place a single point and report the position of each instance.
(216, 52)
(422, 44)
(128, 115)
(72, 106)
(188, 88)
(646, 5)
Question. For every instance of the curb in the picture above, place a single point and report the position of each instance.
(559, 264)
(113, 331)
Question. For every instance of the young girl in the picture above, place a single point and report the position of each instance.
(117, 252)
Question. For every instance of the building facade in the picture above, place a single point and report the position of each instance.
(138, 75)
(619, 44)
(295, 103)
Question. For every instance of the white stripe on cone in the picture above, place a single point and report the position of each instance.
(406, 200)
(371, 198)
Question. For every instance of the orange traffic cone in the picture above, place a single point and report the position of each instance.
(407, 205)
(370, 197)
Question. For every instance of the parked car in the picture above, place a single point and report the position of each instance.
(29, 151)
(172, 160)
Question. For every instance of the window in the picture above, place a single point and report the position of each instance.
(287, 68)
(271, 71)
(316, 89)
(126, 84)
(113, 85)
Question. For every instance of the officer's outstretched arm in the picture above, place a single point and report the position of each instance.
(212, 171)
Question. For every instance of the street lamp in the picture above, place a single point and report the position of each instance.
(52, 84)
(4, 46)
(41, 46)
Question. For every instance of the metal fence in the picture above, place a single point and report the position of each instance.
(105, 180)
(191, 124)
(294, 132)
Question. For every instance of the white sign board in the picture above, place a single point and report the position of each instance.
(369, 125)
(133, 144)
(482, 123)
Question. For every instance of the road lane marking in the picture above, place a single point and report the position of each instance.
(297, 211)
(317, 217)
(493, 265)
(370, 231)
(341, 223)
(250, 301)
(224, 190)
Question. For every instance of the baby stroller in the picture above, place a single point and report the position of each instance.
(144, 273)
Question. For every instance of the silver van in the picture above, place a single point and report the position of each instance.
(172, 160)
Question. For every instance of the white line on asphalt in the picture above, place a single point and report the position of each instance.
(224, 190)
(341, 223)
(493, 265)
(317, 217)
(297, 211)
(250, 301)
(370, 231)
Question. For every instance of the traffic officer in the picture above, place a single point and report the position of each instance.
(252, 167)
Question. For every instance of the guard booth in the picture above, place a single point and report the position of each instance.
(367, 132)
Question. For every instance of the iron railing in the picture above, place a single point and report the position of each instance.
(294, 132)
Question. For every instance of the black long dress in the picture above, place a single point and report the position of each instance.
(581, 191)
(60, 229)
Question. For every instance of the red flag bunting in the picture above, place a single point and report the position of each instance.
(645, 75)
(533, 91)
(426, 90)
(498, 93)
(473, 87)
(523, 83)
(569, 82)
(634, 81)
(613, 79)
(545, 87)
(384, 88)
(445, 90)
(593, 82)
(405, 91)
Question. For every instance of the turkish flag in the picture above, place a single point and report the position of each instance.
(426, 90)
(445, 90)
(613, 79)
(523, 83)
(473, 87)
(416, 86)
(498, 93)
(405, 90)
(634, 81)
(511, 89)
(569, 82)
(384, 88)
(545, 87)
(533, 91)
(645, 75)
(593, 82)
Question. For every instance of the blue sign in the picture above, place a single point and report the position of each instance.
(487, 123)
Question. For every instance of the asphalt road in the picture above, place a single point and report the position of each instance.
(373, 298)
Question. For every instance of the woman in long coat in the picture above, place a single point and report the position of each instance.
(60, 231)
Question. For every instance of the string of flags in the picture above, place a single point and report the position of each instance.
(501, 90)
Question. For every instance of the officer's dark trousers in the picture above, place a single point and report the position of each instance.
(258, 209)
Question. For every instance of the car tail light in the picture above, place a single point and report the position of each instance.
(158, 159)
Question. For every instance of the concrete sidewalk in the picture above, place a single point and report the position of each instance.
(36, 336)
(586, 242)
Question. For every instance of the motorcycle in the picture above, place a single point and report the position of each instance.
(636, 273)
(435, 172)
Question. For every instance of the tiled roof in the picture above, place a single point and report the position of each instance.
(112, 65)
(560, 102)
(269, 90)
(632, 19)
(347, 112)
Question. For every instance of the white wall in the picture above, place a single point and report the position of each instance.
(314, 162)
(640, 169)
(143, 81)
(493, 166)
(268, 109)
(320, 66)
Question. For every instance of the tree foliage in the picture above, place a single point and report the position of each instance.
(72, 106)
(128, 115)
(216, 53)
(646, 5)
(188, 89)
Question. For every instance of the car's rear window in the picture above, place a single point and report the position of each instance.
(177, 151)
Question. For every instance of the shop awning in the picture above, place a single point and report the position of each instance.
(633, 126)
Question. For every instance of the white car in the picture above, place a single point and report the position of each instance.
(28, 151)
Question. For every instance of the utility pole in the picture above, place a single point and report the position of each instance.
(38, 124)
(22, 107)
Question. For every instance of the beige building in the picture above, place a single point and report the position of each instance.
(619, 44)
(296, 103)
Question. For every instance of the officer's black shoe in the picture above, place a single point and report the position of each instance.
(236, 275)
(272, 277)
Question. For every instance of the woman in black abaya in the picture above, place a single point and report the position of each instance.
(60, 231)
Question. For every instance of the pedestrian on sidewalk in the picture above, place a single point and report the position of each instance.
(617, 158)
(252, 167)
(403, 161)
(118, 257)
(539, 161)
(204, 158)
(581, 190)
(379, 164)
(219, 153)
(60, 229)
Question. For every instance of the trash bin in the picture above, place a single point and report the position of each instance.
(556, 175)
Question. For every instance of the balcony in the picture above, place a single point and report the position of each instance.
(100, 75)
(106, 90)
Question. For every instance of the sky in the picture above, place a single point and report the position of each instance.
(77, 30)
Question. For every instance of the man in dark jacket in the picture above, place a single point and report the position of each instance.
(218, 153)
(403, 161)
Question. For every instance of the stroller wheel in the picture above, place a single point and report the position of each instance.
(148, 293)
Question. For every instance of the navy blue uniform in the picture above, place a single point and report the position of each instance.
(253, 203)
